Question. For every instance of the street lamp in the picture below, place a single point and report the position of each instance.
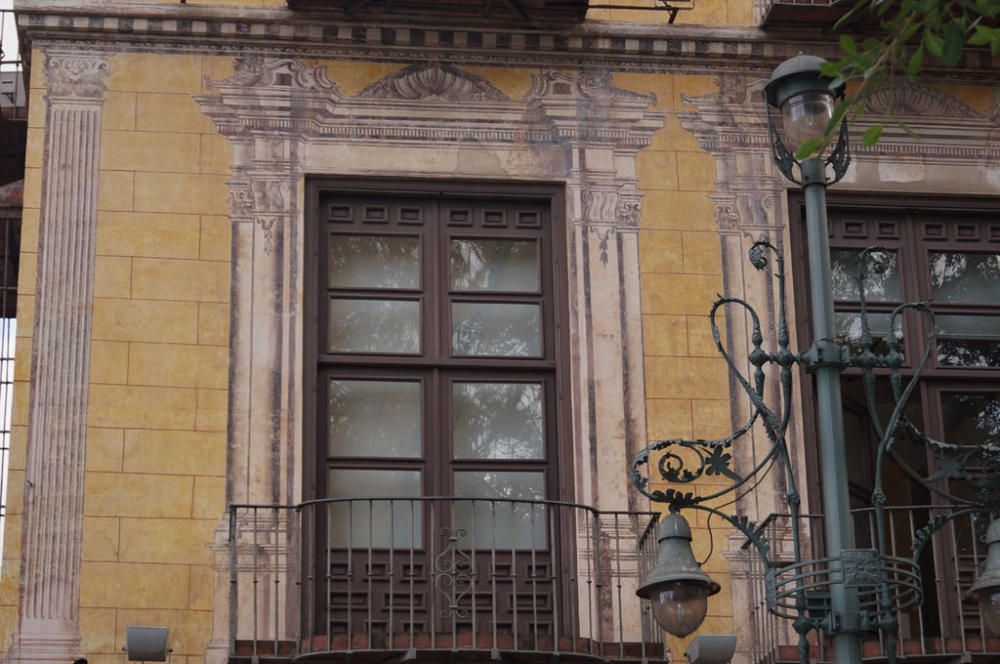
(850, 591)
(806, 99)
(676, 587)
(987, 587)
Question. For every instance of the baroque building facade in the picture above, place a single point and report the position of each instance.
(449, 268)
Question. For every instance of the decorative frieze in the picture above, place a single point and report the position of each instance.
(48, 627)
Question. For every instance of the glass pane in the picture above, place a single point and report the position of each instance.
(373, 261)
(494, 265)
(971, 417)
(381, 523)
(378, 418)
(374, 326)
(965, 277)
(881, 275)
(505, 525)
(497, 421)
(968, 341)
(495, 329)
(849, 330)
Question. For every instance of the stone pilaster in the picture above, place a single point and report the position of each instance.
(604, 128)
(48, 629)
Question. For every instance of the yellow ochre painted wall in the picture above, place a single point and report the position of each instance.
(156, 452)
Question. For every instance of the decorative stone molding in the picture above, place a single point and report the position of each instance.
(48, 623)
(623, 46)
(912, 99)
(286, 120)
(434, 82)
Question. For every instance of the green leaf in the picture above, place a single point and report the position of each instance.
(838, 115)
(809, 148)
(905, 127)
(847, 45)
(871, 135)
(954, 44)
(983, 36)
(915, 63)
(934, 43)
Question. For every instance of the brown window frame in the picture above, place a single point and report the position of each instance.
(555, 316)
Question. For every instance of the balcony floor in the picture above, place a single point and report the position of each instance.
(445, 649)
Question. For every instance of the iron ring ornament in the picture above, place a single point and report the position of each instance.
(666, 470)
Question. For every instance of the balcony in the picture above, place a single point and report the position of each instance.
(945, 627)
(542, 12)
(371, 579)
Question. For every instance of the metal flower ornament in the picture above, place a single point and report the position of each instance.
(849, 591)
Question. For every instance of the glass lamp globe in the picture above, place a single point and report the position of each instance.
(805, 117)
(989, 609)
(679, 607)
(987, 586)
(805, 97)
(676, 588)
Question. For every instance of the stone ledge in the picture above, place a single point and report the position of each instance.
(629, 46)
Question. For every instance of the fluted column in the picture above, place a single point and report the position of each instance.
(57, 428)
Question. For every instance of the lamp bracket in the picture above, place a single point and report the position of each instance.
(824, 353)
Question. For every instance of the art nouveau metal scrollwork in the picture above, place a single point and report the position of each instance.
(799, 591)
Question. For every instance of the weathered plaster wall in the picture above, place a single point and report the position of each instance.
(159, 374)
(156, 442)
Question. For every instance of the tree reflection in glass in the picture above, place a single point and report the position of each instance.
(496, 329)
(849, 331)
(494, 265)
(374, 418)
(497, 421)
(505, 525)
(881, 275)
(971, 417)
(374, 326)
(374, 261)
(382, 523)
(968, 341)
(965, 277)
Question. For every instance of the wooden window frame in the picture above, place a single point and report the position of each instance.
(555, 316)
(909, 206)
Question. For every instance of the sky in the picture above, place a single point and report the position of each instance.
(9, 35)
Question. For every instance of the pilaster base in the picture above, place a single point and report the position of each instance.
(45, 642)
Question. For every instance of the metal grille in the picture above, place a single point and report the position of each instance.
(13, 127)
(10, 242)
(370, 577)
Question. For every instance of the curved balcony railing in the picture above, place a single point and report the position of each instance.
(341, 578)
(945, 625)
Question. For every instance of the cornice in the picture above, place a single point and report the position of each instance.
(117, 25)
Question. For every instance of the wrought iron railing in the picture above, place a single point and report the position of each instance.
(945, 624)
(346, 576)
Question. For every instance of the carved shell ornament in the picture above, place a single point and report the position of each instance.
(914, 100)
(433, 82)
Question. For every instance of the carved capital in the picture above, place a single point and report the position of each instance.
(629, 209)
(76, 75)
